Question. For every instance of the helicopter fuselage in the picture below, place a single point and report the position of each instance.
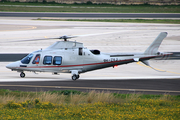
(66, 60)
(73, 57)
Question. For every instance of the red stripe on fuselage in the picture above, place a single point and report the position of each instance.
(78, 65)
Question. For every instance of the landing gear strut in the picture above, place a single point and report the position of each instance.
(22, 74)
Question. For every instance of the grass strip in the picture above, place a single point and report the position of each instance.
(104, 8)
(135, 109)
(70, 104)
(166, 21)
(73, 96)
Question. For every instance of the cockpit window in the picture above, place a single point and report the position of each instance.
(27, 59)
(36, 59)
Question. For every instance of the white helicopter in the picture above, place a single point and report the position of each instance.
(72, 57)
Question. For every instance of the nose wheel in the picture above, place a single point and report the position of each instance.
(22, 75)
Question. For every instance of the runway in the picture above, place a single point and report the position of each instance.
(107, 37)
(93, 15)
(144, 86)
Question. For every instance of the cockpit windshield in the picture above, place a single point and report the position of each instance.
(27, 59)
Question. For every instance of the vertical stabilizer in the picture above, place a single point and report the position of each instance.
(153, 48)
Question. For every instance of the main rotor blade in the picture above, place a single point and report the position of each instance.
(34, 39)
(95, 34)
(65, 37)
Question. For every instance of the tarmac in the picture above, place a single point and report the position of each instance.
(107, 37)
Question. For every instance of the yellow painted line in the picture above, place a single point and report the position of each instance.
(28, 28)
(94, 88)
(22, 28)
(156, 68)
(173, 72)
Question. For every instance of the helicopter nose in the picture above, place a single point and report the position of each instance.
(13, 65)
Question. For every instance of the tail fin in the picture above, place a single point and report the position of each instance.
(153, 48)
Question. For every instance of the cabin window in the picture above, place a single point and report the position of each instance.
(36, 59)
(47, 60)
(57, 60)
(27, 59)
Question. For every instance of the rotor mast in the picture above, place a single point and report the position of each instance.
(65, 37)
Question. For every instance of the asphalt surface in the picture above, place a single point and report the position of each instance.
(90, 15)
(11, 57)
(145, 86)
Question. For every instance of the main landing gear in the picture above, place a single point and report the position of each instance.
(22, 74)
(75, 75)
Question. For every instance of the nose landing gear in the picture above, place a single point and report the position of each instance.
(22, 74)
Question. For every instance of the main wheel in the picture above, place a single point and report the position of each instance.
(22, 75)
(74, 77)
(78, 76)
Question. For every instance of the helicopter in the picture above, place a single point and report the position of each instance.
(72, 57)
